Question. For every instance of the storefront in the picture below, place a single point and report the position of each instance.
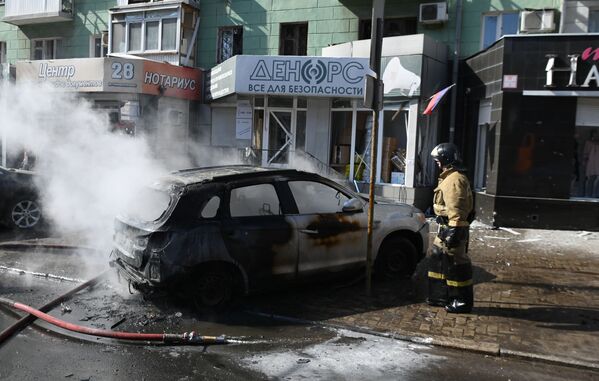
(533, 108)
(137, 96)
(307, 113)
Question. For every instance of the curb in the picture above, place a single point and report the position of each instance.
(485, 348)
(25, 245)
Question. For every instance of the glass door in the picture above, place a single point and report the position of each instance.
(279, 139)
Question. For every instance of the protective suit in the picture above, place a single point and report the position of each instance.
(450, 268)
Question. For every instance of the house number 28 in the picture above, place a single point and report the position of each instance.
(120, 71)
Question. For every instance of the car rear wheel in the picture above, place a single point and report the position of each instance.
(25, 213)
(214, 289)
(396, 259)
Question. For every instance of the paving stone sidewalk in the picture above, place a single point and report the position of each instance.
(536, 296)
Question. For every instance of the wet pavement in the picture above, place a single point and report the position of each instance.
(535, 292)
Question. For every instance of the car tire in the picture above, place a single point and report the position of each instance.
(214, 289)
(396, 259)
(24, 213)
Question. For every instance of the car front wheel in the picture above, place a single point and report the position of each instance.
(396, 259)
(24, 214)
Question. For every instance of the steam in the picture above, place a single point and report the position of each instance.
(86, 174)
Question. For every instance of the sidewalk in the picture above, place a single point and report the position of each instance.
(536, 297)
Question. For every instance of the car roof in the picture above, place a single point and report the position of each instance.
(224, 173)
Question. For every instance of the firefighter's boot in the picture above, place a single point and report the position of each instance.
(437, 287)
(459, 288)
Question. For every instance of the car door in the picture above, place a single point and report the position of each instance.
(329, 238)
(259, 235)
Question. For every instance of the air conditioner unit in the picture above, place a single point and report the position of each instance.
(537, 21)
(433, 13)
(105, 38)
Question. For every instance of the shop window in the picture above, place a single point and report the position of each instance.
(2, 52)
(46, 49)
(594, 21)
(341, 128)
(139, 32)
(392, 27)
(230, 42)
(497, 25)
(293, 39)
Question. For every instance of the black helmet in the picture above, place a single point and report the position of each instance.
(447, 154)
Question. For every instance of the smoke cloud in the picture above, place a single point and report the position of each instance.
(85, 173)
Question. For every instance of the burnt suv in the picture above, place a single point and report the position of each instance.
(220, 230)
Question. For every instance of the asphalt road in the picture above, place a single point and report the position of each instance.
(268, 349)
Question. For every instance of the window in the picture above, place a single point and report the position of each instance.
(594, 21)
(230, 42)
(312, 197)
(497, 25)
(293, 39)
(391, 27)
(254, 200)
(99, 46)
(46, 49)
(210, 210)
(145, 31)
(2, 52)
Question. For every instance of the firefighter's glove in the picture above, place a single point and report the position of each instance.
(454, 236)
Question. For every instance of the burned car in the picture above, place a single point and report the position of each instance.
(19, 203)
(222, 230)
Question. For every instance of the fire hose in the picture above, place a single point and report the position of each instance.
(188, 338)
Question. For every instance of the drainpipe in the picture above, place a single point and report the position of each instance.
(456, 63)
(562, 16)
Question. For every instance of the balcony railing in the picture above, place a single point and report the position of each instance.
(24, 12)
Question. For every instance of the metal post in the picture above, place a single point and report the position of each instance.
(455, 70)
(376, 47)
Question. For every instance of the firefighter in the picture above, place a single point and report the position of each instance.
(450, 269)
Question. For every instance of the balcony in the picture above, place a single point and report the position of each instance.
(25, 12)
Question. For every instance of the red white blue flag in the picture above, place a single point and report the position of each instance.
(435, 99)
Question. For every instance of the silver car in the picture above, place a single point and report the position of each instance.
(223, 230)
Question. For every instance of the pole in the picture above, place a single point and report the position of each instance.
(455, 70)
(376, 47)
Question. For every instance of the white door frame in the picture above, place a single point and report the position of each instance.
(277, 124)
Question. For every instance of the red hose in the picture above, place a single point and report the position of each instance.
(184, 338)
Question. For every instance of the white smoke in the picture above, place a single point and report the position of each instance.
(86, 174)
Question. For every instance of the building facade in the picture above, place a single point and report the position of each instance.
(428, 45)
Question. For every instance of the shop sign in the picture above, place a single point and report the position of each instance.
(114, 74)
(591, 77)
(302, 76)
(171, 81)
(243, 120)
(402, 75)
(220, 81)
(289, 75)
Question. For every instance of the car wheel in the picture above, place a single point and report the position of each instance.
(214, 289)
(25, 213)
(396, 259)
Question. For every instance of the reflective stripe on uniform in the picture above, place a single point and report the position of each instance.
(455, 283)
(435, 275)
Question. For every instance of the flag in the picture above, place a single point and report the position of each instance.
(435, 99)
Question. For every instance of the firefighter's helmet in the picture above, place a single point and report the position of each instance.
(447, 154)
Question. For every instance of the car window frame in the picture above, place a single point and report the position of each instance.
(346, 192)
(275, 182)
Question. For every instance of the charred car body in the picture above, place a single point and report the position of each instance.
(239, 228)
(19, 201)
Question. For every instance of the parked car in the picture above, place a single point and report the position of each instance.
(19, 205)
(221, 230)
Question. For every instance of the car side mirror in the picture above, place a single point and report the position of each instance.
(352, 205)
